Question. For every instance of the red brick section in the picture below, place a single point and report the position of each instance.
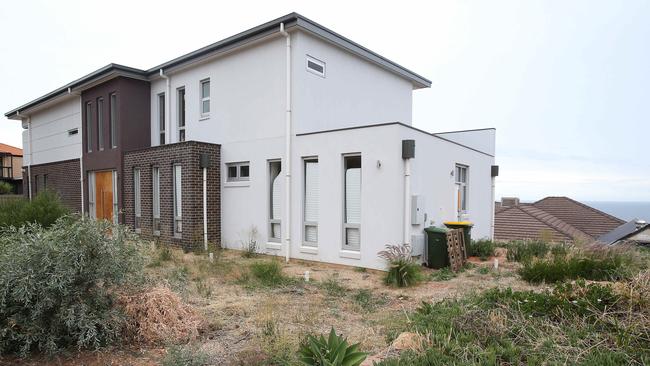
(63, 177)
(582, 217)
(187, 154)
(516, 224)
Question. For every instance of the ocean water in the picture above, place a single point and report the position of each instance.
(623, 210)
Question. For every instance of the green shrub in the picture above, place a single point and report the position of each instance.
(334, 351)
(443, 274)
(44, 209)
(403, 271)
(57, 285)
(609, 267)
(333, 288)
(5, 188)
(367, 301)
(266, 274)
(572, 324)
(524, 251)
(185, 356)
(482, 249)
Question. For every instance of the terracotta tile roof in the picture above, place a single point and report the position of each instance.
(4, 148)
(580, 216)
(515, 223)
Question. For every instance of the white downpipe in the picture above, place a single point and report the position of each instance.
(492, 210)
(168, 108)
(205, 208)
(287, 153)
(29, 146)
(407, 201)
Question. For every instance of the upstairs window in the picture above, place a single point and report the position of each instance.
(315, 66)
(238, 171)
(181, 114)
(205, 97)
(89, 127)
(112, 119)
(100, 124)
(161, 117)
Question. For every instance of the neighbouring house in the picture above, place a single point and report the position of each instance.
(288, 134)
(11, 167)
(552, 218)
(634, 231)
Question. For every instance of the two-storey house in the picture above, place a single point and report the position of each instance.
(288, 134)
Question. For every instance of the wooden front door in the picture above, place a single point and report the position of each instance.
(104, 195)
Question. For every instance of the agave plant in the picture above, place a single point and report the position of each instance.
(333, 351)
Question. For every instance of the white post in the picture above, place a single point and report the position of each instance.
(205, 209)
(407, 201)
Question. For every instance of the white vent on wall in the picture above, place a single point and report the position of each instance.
(315, 66)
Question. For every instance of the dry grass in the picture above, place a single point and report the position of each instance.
(158, 316)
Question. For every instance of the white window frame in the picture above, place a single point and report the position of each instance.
(181, 116)
(463, 187)
(100, 124)
(161, 119)
(112, 118)
(92, 208)
(178, 199)
(203, 98)
(309, 223)
(155, 192)
(273, 221)
(238, 177)
(346, 225)
(310, 59)
(88, 110)
(137, 199)
(115, 206)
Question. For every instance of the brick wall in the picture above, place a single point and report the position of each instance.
(187, 154)
(63, 177)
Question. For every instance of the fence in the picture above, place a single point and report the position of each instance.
(10, 197)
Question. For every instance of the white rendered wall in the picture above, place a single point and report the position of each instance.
(435, 160)
(50, 139)
(354, 92)
(483, 140)
(247, 96)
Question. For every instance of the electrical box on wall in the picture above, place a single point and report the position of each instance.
(417, 210)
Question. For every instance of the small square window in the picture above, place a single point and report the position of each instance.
(238, 171)
(315, 66)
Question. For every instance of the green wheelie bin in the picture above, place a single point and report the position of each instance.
(437, 254)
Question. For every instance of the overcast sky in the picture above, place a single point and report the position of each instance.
(565, 83)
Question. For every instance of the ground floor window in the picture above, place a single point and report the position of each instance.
(92, 208)
(137, 202)
(178, 201)
(461, 176)
(275, 201)
(311, 201)
(352, 202)
(155, 182)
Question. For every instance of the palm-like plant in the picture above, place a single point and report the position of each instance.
(333, 351)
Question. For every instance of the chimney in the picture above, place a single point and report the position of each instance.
(509, 201)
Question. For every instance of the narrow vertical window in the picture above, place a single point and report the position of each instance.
(137, 201)
(178, 201)
(113, 119)
(181, 114)
(92, 208)
(161, 117)
(461, 184)
(35, 188)
(155, 180)
(100, 124)
(89, 127)
(311, 201)
(352, 203)
(44, 181)
(205, 97)
(275, 201)
(115, 206)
